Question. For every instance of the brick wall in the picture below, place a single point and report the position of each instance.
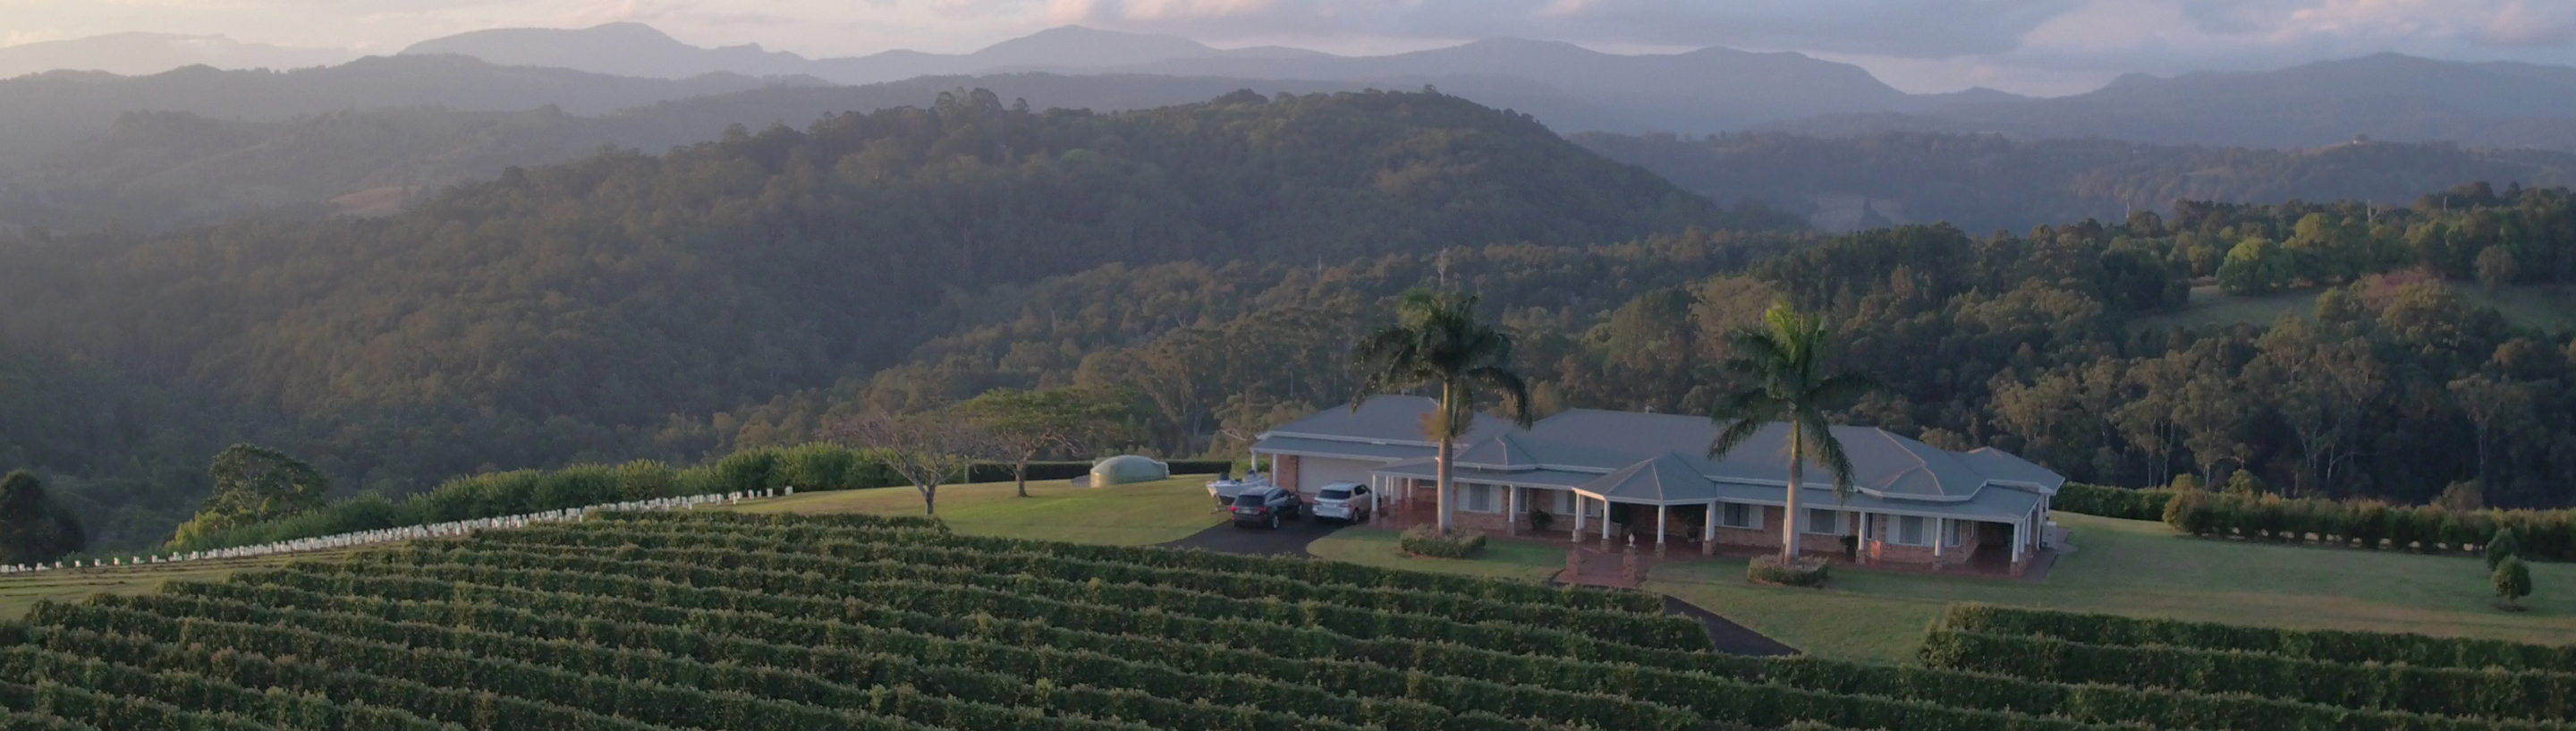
(1285, 475)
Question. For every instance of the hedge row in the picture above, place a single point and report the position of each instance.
(716, 635)
(1719, 697)
(1723, 695)
(1298, 655)
(2494, 693)
(1320, 572)
(1234, 584)
(448, 656)
(84, 708)
(2112, 502)
(814, 466)
(930, 585)
(2329, 645)
(676, 701)
(30, 721)
(2545, 535)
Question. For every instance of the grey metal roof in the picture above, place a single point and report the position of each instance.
(1425, 469)
(1274, 443)
(1388, 419)
(1663, 480)
(1654, 458)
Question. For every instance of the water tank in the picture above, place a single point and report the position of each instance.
(1127, 468)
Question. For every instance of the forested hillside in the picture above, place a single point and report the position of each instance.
(2394, 387)
(606, 307)
(1981, 183)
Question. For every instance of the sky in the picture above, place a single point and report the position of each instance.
(2027, 46)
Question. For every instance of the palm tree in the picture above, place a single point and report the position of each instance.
(1438, 340)
(1785, 361)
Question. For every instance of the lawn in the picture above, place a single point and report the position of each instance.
(1126, 515)
(1503, 558)
(2142, 568)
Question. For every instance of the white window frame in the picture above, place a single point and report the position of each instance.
(1752, 516)
(1951, 536)
(1563, 503)
(1480, 492)
(1921, 528)
(1841, 524)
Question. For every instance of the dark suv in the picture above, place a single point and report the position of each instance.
(1263, 506)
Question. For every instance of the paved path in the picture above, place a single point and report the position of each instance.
(1290, 539)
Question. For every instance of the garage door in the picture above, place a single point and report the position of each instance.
(1314, 472)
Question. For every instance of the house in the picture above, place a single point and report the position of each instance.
(1910, 503)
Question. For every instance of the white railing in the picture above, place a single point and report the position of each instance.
(405, 533)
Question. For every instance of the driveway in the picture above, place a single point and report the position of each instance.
(1290, 539)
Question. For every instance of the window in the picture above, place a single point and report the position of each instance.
(1823, 522)
(1950, 536)
(1564, 502)
(1910, 532)
(1334, 493)
(1480, 498)
(1739, 515)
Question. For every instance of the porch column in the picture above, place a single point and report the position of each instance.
(1512, 511)
(1662, 514)
(2017, 539)
(1940, 537)
(1708, 531)
(1605, 520)
(1860, 545)
(1577, 535)
(1377, 496)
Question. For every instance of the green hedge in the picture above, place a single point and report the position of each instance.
(2112, 502)
(1423, 540)
(2445, 691)
(2545, 535)
(2329, 645)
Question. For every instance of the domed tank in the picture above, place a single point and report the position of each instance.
(1127, 468)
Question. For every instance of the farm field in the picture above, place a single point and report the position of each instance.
(1126, 515)
(18, 593)
(723, 620)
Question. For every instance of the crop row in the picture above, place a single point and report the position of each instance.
(1701, 691)
(452, 656)
(2327, 645)
(1237, 585)
(1319, 572)
(1746, 684)
(2493, 693)
(819, 574)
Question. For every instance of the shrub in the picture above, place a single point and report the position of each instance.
(2344, 646)
(2501, 547)
(2112, 502)
(2537, 535)
(1806, 571)
(2512, 581)
(1423, 540)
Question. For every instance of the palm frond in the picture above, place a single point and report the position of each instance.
(1733, 435)
(1842, 389)
(1515, 392)
(1828, 451)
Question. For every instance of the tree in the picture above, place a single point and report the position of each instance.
(2501, 546)
(1785, 360)
(2490, 402)
(253, 484)
(2496, 267)
(927, 450)
(1437, 341)
(2256, 266)
(32, 526)
(2512, 581)
(1022, 424)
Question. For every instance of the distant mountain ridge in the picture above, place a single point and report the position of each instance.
(152, 53)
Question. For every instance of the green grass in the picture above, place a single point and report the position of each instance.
(1503, 558)
(1126, 515)
(2541, 307)
(2142, 568)
(20, 592)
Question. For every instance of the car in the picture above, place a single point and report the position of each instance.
(1348, 502)
(1263, 506)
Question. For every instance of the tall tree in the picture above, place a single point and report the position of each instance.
(1023, 424)
(32, 527)
(927, 450)
(1785, 361)
(1437, 340)
(253, 484)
